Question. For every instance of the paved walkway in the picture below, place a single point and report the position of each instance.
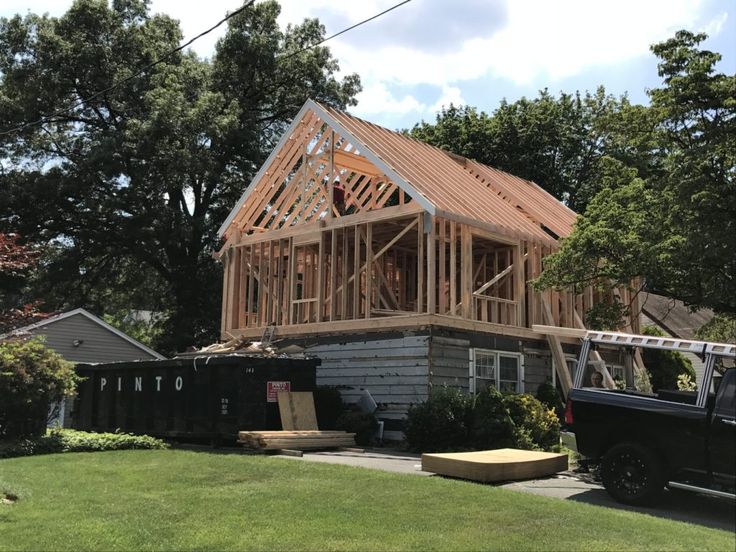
(386, 461)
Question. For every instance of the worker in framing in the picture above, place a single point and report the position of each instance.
(338, 196)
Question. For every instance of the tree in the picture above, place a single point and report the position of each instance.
(135, 182)
(675, 229)
(31, 378)
(556, 142)
(16, 261)
(665, 367)
(721, 328)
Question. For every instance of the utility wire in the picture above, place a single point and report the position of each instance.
(384, 12)
(131, 77)
(178, 49)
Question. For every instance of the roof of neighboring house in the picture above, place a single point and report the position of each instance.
(82, 324)
(443, 184)
(673, 316)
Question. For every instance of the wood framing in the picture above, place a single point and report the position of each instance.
(351, 225)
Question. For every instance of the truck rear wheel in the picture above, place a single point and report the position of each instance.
(632, 474)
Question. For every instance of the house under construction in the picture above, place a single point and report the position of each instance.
(400, 265)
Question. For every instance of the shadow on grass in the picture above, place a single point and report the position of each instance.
(679, 506)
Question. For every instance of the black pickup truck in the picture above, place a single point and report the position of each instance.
(643, 442)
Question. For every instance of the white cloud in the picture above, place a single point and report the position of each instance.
(541, 40)
(713, 27)
(376, 98)
(425, 42)
(450, 95)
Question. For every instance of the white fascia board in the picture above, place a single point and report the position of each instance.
(261, 173)
(372, 157)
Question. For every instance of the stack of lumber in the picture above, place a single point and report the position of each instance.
(495, 465)
(296, 440)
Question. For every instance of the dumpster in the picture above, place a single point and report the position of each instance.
(202, 397)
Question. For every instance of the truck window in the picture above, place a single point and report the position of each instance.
(726, 398)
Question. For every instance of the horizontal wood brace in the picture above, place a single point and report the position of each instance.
(387, 213)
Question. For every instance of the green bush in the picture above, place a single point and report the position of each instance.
(31, 378)
(451, 420)
(69, 440)
(536, 427)
(362, 424)
(491, 426)
(550, 397)
(441, 422)
(328, 406)
(664, 367)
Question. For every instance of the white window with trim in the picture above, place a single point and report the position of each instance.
(499, 369)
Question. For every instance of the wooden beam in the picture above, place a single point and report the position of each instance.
(559, 331)
(333, 273)
(557, 353)
(505, 272)
(520, 284)
(409, 321)
(453, 268)
(466, 272)
(420, 264)
(369, 269)
(356, 274)
(292, 280)
(344, 277)
(225, 293)
(356, 162)
(442, 287)
(321, 278)
(432, 267)
(241, 289)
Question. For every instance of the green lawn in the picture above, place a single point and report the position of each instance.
(169, 499)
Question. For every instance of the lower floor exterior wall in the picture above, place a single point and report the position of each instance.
(393, 367)
(399, 368)
(451, 354)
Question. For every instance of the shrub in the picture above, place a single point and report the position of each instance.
(328, 406)
(491, 425)
(362, 424)
(450, 420)
(31, 378)
(441, 422)
(550, 397)
(664, 367)
(69, 440)
(535, 426)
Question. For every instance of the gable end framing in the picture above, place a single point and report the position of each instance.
(342, 132)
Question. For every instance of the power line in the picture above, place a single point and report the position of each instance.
(384, 12)
(188, 43)
(130, 77)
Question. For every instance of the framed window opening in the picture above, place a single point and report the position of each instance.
(500, 369)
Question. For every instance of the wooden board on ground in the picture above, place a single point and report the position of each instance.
(296, 440)
(495, 465)
(297, 411)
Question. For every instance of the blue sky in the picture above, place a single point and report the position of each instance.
(429, 53)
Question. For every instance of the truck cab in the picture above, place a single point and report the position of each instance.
(647, 439)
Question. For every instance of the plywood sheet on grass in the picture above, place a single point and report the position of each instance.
(495, 465)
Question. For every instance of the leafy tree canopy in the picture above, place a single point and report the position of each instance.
(558, 142)
(131, 186)
(675, 228)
